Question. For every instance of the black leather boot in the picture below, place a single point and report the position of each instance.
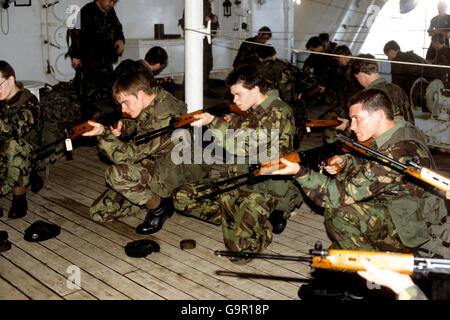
(36, 182)
(155, 218)
(277, 221)
(19, 207)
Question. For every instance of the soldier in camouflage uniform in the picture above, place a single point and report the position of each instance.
(244, 212)
(19, 114)
(290, 82)
(366, 72)
(143, 175)
(247, 53)
(372, 206)
(101, 42)
(344, 88)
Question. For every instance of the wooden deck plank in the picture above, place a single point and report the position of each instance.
(8, 291)
(24, 282)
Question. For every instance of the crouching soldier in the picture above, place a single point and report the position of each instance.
(248, 214)
(19, 114)
(143, 175)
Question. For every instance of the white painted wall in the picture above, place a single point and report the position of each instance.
(23, 45)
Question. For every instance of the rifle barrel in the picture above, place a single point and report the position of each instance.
(250, 255)
(345, 139)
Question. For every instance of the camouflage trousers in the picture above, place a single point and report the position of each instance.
(243, 216)
(363, 226)
(132, 185)
(15, 165)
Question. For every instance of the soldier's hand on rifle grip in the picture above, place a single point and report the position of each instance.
(290, 169)
(343, 125)
(226, 117)
(117, 129)
(203, 119)
(335, 164)
(98, 129)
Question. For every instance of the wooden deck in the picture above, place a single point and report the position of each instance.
(41, 270)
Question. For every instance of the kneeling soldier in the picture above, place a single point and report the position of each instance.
(143, 176)
(245, 212)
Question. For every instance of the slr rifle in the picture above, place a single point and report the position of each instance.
(351, 260)
(69, 135)
(184, 120)
(311, 158)
(420, 172)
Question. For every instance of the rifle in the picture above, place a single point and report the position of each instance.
(321, 124)
(184, 120)
(422, 173)
(69, 134)
(350, 260)
(311, 158)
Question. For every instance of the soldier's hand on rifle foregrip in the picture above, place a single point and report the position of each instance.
(395, 281)
(117, 129)
(203, 119)
(290, 169)
(98, 129)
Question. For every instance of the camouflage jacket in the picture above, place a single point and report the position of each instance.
(19, 117)
(99, 33)
(366, 179)
(157, 115)
(286, 78)
(411, 293)
(276, 117)
(247, 53)
(399, 98)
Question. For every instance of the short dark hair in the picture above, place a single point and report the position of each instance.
(156, 55)
(325, 37)
(364, 66)
(131, 82)
(249, 77)
(372, 100)
(438, 37)
(6, 70)
(314, 42)
(265, 52)
(391, 45)
(265, 31)
(342, 50)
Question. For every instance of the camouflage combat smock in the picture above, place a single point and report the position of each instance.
(18, 135)
(139, 171)
(400, 101)
(243, 212)
(371, 206)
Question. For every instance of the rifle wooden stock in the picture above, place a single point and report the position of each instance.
(272, 165)
(78, 130)
(430, 177)
(322, 123)
(312, 92)
(186, 119)
(235, 109)
(350, 260)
